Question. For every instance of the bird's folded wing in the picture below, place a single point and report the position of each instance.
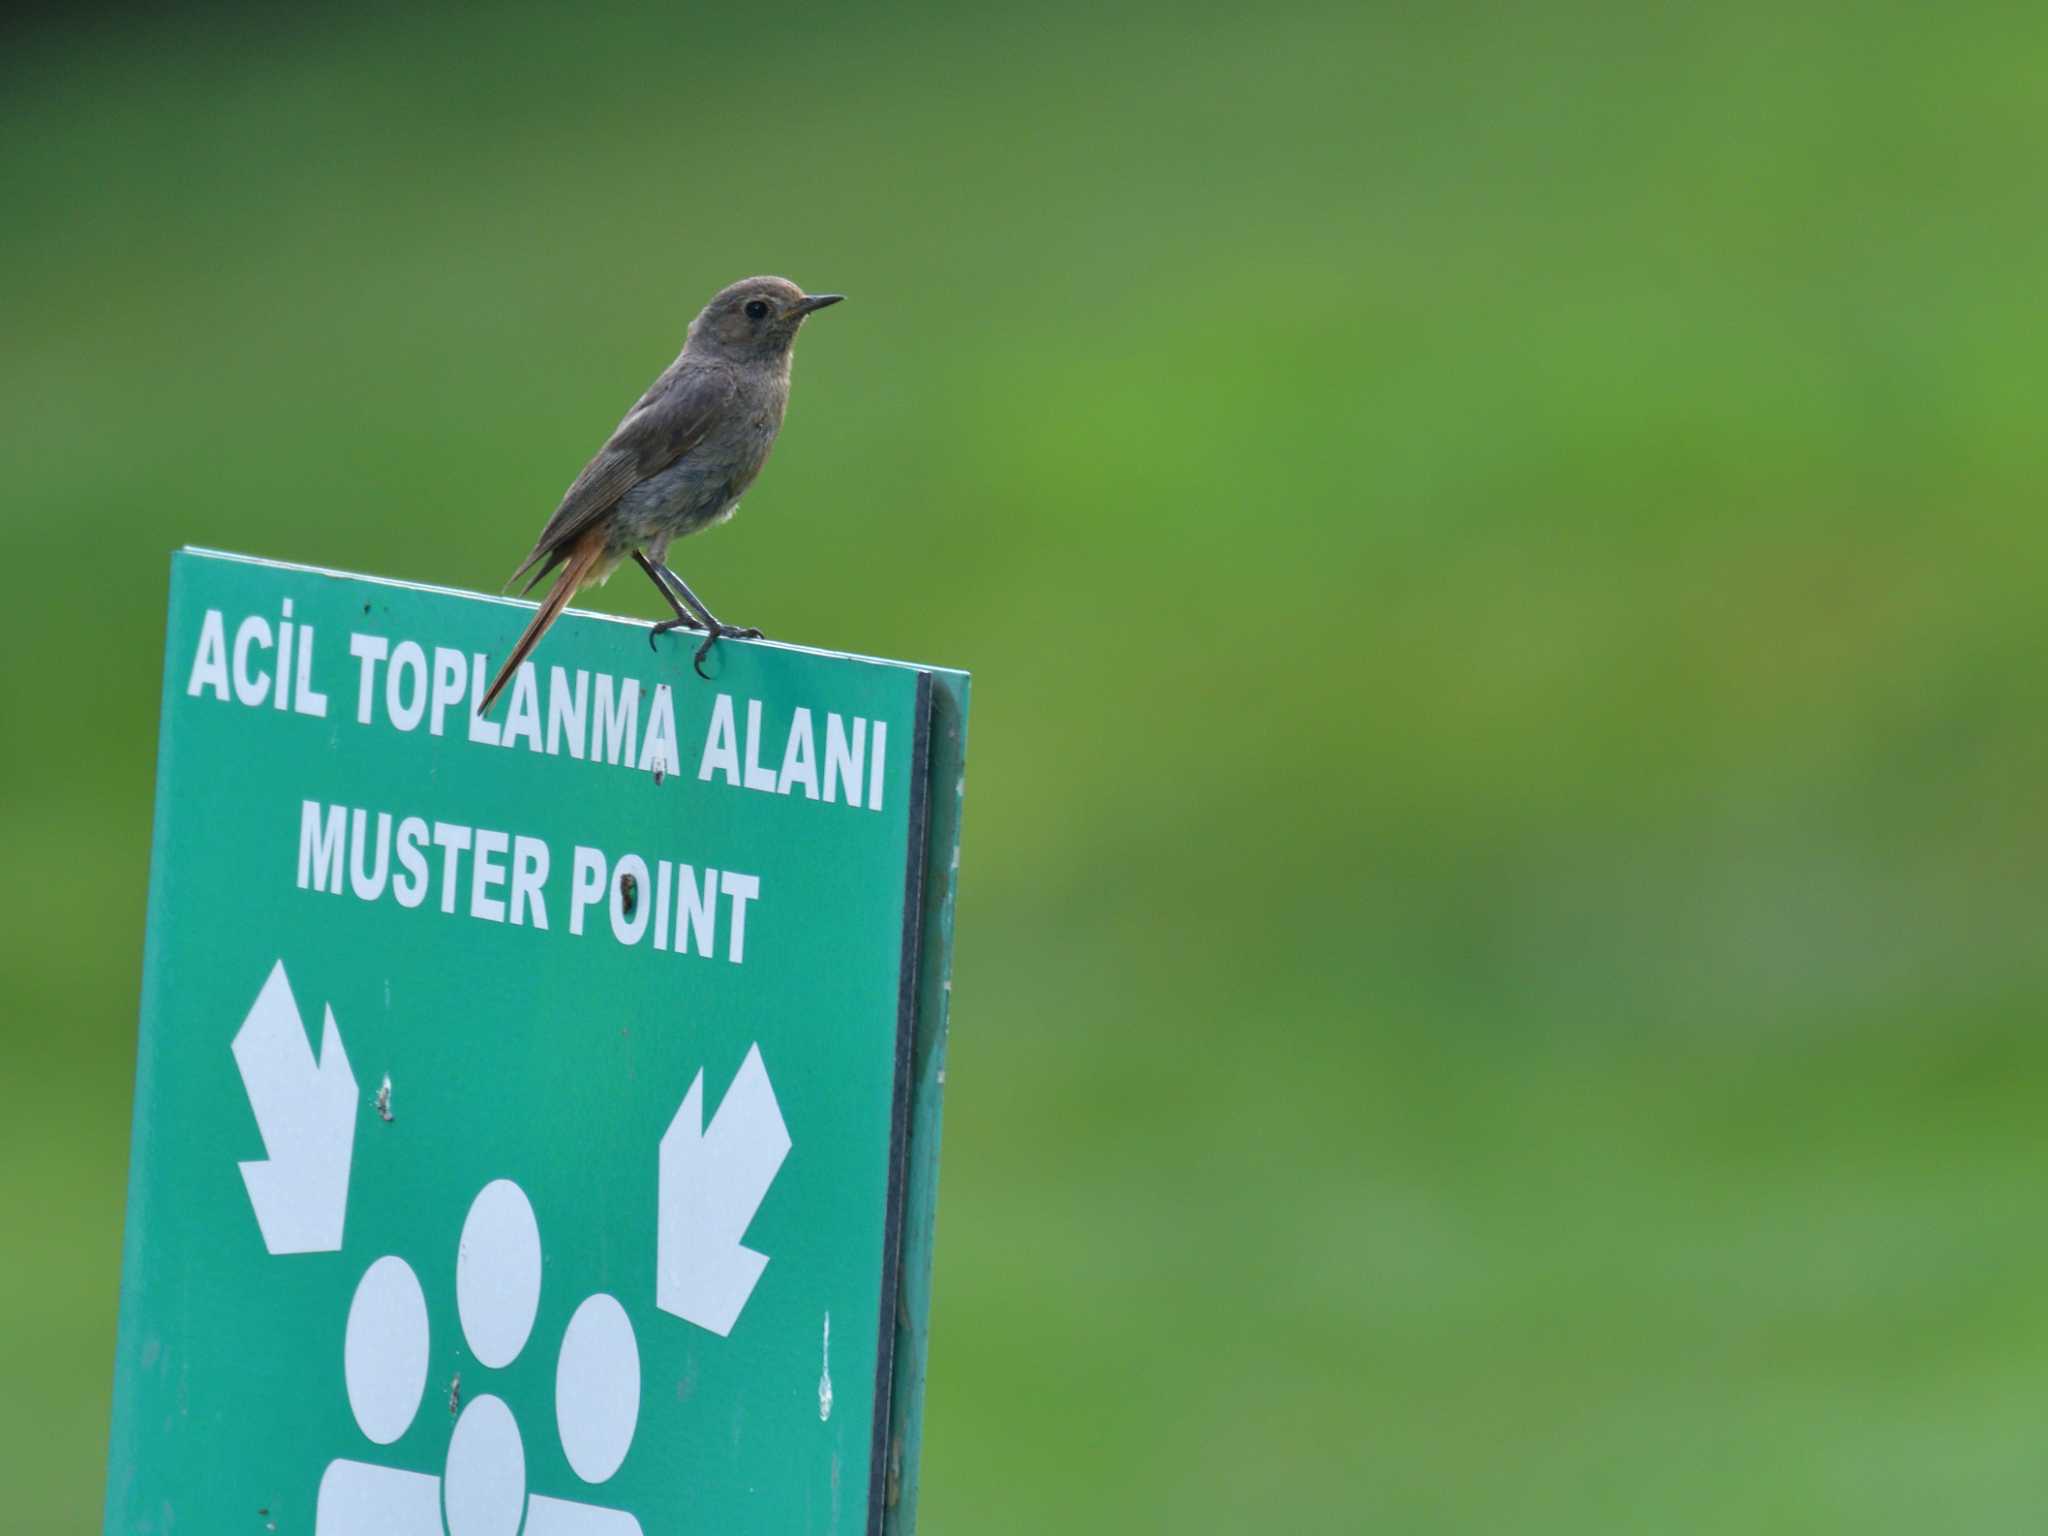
(671, 419)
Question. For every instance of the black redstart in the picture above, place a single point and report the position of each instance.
(680, 461)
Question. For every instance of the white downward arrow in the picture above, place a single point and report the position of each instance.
(306, 1111)
(712, 1182)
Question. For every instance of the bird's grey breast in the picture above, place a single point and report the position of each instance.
(706, 483)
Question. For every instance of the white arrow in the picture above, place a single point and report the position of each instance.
(712, 1182)
(307, 1114)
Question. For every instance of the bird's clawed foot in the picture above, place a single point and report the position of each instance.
(665, 626)
(722, 632)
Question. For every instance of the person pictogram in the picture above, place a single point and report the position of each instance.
(482, 1488)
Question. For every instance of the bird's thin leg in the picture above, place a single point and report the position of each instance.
(717, 631)
(683, 619)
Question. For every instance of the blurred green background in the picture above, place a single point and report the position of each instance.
(1500, 984)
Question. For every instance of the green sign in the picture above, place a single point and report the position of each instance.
(536, 1116)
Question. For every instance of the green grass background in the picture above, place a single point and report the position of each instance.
(1500, 977)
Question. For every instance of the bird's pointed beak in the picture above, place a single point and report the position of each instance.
(811, 301)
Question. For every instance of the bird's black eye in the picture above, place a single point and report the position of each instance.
(757, 309)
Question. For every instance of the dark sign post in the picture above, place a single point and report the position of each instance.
(536, 1119)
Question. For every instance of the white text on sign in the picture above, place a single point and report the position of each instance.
(502, 877)
(408, 685)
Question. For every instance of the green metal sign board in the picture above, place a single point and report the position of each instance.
(536, 1116)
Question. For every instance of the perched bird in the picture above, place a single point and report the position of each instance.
(680, 461)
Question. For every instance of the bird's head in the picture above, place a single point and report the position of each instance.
(757, 317)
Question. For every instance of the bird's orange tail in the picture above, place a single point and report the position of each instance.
(574, 571)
